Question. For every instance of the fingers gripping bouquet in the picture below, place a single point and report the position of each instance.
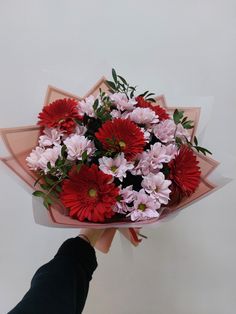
(116, 156)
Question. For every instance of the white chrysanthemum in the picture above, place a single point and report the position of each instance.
(125, 197)
(34, 157)
(117, 167)
(49, 155)
(122, 102)
(145, 207)
(86, 106)
(145, 116)
(157, 187)
(52, 136)
(77, 145)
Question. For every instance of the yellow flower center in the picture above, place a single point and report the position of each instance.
(113, 168)
(142, 207)
(122, 144)
(92, 193)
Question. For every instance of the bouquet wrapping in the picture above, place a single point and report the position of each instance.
(111, 159)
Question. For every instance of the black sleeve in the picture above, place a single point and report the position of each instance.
(61, 286)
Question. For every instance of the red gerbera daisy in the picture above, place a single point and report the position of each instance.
(161, 112)
(60, 113)
(184, 173)
(121, 135)
(89, 194)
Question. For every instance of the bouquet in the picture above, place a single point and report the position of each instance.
(113, 158)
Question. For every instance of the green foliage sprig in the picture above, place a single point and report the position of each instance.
(178, 117)
(51, 186)
(120, 85)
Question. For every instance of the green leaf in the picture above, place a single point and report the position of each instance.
(195, 141)
(177, 116)
(39, 178)
(63, 151)
(84, 156)
(45, 186)
(38, 193)
(178, 141)
(187, 125)
(79, 167)
(49, 200)
(95, 105)
(58, 188)
(150, 94)
(114, 75)
(53, 193)
(144, 94)
(45, 203)
(111, 84)
(49, 181)
(123, 87)
(49, 165)
(203, 150)
(208, 152)
(122, 79)
(151, 99)
(59, 162)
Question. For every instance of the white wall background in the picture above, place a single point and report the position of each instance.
(182, 48)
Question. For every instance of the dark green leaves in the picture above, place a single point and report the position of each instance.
(112, 85)
(123, 80)
(63, 151)
(187, 124)
(95, 105)
(38, 193)
(119, 84)
(114, 75)
(47, 201)
(50, 182)
(198, 148)
(84, 156)
(202, 150)
(103, 114)
(178, 117)
(148, 96)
